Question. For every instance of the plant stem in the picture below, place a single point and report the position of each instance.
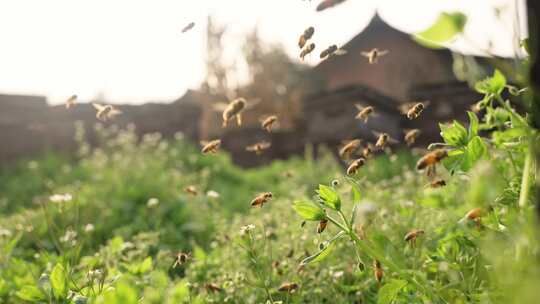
(525, 180)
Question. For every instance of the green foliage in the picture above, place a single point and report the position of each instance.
(309, 211)
(446, 27)
(389, 291)
(58, 280)
(329, 197)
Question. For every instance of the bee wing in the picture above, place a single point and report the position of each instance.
(251, 148)
(220, 106)
(115, 112)
(252, 102)
(265, 145)
(376, 133)
(98, 107)
(340, 52)
(404, 108)
(382, 53)
(366, 54)
(392, 140)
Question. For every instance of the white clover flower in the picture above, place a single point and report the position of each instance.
(60, 198)
(245, 229)
(89, 227)
(5, 232)
(212, 194)
(152, 203)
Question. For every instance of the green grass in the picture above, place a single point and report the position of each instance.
(47, 255)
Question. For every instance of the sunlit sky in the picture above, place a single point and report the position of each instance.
(133, 51)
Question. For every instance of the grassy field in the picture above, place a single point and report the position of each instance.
(108, 227)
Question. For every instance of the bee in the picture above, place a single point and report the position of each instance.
(181, 259)
(332, 50)
(259, 147)
(210, 146)
(374, 54)
(328, 4)
(308, 49)
(383, 140)
(430, 160)
(413, 111)
(269, 122)
(188, 27)
(349, 148)
(473, 215)
(70, 102)
(322, 226)
(367, 151)
(288, 287)
(437, 183)
(377, 270)
(355, 165)
(191, 190)
(234, 109)
(308, 33)
(105, 112)
(411, 136)
(364, 112)
(261, 199)
(212, 287)
(412, 235)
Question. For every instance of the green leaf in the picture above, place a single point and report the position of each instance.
(454, 134)
(30, 293)
(353, 214)
(180, 292)
(329, 197)
(492, 85)
(473, 125)
(447, 27)
(309, 211)
(146, 265)
(122, 294)
(356, 195)
(476, 149)
(389, 291)
(321, 255)
(58, 280)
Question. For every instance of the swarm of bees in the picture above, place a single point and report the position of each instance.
(308, 33)
(355, 165)
(268, 123)
(261, 199)
(411, 136)
(430, 161)
(234, 110)
(382, 140)
(105, 112)
(413, 111)
(364, 112)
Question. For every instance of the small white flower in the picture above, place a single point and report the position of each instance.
(60, 198)
(89, 227)
(5, 232)
(69, 237)
(212, 194)
(245, 229)
(153, 202)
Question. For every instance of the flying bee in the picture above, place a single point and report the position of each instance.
(307, 50)
(308, 33)
(269, 122)
(328, 4)
(412, 235)
(331, 51)
(382, 140)
(188, 27)
(261, 199)
(364, 112)
(377, 270)
(355, 165)
(322, 226)
(234, 109)
(105, 112)
(288, 287)
(438, 183)
(181, 259)
(70, 102)
(367, 151)
(411, 136)
(191, 189)
(430, 160)
(413, 111)
(374, 54)
(210, 146)
(259, 147)
(212, 287)
(473, 215)
(349, 148)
